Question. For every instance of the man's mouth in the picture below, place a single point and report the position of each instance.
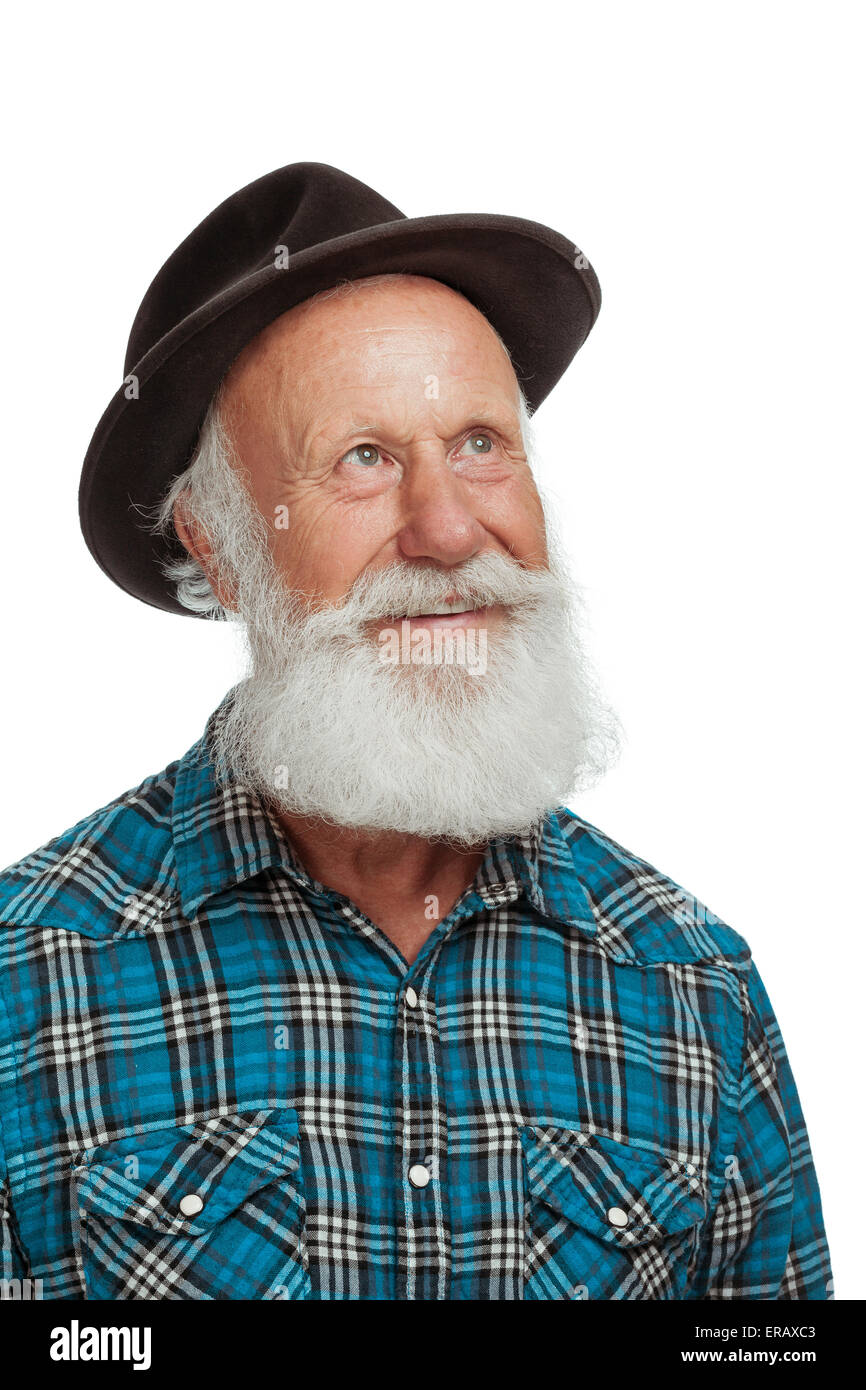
(442, 609)
(454, 612)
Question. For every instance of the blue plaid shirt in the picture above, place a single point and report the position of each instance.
(219, 1079)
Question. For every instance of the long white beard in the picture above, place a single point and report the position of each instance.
(323, 727)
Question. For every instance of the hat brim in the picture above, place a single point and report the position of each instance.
(529, 282)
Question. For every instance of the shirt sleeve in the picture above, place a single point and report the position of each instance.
(766, 1239)
(12, 1264)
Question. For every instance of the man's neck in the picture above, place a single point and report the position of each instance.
(403, 883)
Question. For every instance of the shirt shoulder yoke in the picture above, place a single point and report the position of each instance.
(641, 914)
(113, 868)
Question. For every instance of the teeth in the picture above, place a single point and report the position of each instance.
(453, 608)
(442, 609)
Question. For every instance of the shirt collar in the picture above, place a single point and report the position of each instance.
(223, 834)
(538, 864)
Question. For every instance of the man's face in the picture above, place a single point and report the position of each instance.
(383, 427)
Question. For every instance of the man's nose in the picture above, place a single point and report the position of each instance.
(438, 521)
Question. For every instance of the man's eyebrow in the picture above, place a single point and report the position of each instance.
(504, 422)
(350, 433)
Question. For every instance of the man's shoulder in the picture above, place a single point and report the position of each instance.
(115, 864)
(641, 914)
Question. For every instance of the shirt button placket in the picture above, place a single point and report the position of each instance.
(423, 1248)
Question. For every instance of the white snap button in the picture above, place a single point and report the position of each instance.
(191, 1204)
(617, 1217)
(419, 1176)
(411, 997)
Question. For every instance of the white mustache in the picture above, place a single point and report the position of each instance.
(403, 588)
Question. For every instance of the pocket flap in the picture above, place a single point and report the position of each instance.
(623, 1194)
(215, 1165)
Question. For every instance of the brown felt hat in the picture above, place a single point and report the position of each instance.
(296, 231)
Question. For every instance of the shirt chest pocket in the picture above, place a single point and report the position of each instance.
(211, 1210)
(604, 1220)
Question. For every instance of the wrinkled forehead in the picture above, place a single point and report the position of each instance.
(387, 337)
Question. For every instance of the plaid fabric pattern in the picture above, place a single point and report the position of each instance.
(215, 1079)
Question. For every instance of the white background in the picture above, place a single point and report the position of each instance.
(706, 446)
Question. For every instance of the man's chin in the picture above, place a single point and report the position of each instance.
(435, 653)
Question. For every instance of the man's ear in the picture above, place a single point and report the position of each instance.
(194, 540)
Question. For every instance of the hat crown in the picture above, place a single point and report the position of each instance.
(298, 206)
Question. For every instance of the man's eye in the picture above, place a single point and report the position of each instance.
(479, 444)
(364, 454)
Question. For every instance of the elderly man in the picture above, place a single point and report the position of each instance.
(344, 1004)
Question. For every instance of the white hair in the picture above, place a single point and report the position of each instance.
(207, 492)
